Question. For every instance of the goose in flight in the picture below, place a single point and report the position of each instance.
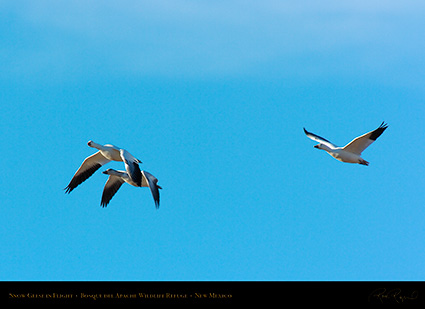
(117, 178)
(105, 154)
(351, 152)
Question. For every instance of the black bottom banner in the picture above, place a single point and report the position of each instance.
(175, 292)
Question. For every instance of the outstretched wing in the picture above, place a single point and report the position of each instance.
(111, 187)
(131, 166)
(360, 143)
(90, 165)
(152, 183)
(319, 139)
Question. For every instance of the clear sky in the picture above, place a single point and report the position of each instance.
(213, 96)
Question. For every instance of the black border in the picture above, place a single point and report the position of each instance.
(217, 292)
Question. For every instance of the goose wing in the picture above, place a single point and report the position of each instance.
(319, 139)
(360, 143)
(90, 165)
(152, 183)
(132, 167)
(111, 187)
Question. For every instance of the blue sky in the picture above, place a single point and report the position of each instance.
(212, 96)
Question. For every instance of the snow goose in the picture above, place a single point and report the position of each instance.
(117, 178)
(351, 152)
(105, 154)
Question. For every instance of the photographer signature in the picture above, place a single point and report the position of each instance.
(393, 295)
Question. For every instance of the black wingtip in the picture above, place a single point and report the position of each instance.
(77, 180)
(308, 133)
(377, 133)
(383, 125)
(104, 202)
(155, 194)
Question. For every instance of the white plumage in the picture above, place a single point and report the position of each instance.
(117, 178)
(105, 154)
(350, 153)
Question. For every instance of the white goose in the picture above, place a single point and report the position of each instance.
(117, 178)
(351, 152)
(105, 154)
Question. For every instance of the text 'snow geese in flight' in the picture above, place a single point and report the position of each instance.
(351, 152)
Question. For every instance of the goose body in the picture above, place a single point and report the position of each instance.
(105, 154)
(350, 153)
(117, 178)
